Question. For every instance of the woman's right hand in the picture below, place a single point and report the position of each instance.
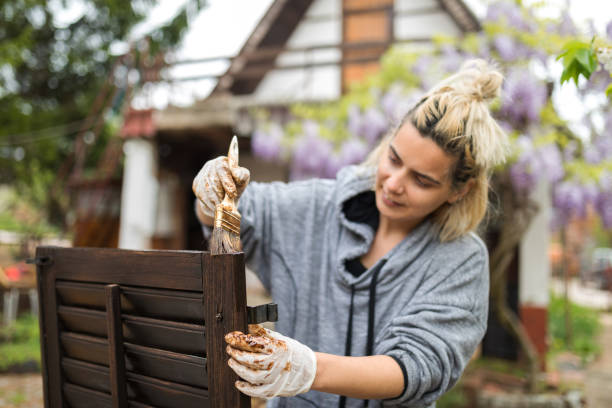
(214, 180)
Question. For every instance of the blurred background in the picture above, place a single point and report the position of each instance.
(109, 109)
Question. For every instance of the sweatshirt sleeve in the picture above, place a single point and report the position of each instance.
(277, 220)
(435, 335)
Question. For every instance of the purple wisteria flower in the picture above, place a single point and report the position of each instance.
(370, 125)
(506, 47)
(598, 82)
(592, 155)
(451, 58)
(267, 145)
(552, 162)
(603, 205)
(523, 97)
(422, 65)
(566, 25)
(569, 198)
(311, 154)
(510, 13)
(353, 151)
(569, 152)
(374, 125)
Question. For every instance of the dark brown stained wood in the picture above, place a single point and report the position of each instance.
(86, 348)
(179, 337)
(49, 332)
(82, 397)
(83, 321)
(88, 375)
(163, 304)
(225, 311)
(163, 269)
(116, 354)
(173, 336)
(116, 320)
(165, 365)
(165, 394)
(140, 388)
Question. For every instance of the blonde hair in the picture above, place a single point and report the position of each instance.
(455, 115)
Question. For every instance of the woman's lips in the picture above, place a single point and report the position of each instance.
(388, 202)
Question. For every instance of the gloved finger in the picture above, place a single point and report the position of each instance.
(257, 330)
(258, 344)
(258, 391)
(208, 207)
(256, 361)
(241, 177)
(224, 175)
(251, 375)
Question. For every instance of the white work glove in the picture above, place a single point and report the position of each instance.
(216, 179)
(271, 364)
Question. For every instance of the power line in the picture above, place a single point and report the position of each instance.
(42, 134)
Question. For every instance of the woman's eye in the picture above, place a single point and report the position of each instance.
(393, 159)
(421, 182)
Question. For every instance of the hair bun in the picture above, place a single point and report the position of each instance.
(480, 79)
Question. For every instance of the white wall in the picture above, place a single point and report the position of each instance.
(138, 195)
(418, 26)
(534, 264)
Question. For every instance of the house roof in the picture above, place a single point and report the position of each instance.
(272, 32)
(268, 39)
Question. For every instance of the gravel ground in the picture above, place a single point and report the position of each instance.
(21, 391)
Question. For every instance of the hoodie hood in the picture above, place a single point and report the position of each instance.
(356, 241)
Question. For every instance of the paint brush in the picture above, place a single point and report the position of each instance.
(226, 229)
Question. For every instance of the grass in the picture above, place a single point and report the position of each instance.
(454, 398)
(585, 329)
(19, 342)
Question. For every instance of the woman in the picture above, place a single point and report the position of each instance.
(379, 270)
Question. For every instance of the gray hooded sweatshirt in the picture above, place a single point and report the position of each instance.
(424, 303)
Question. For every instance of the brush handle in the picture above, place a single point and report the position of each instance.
(232, 159)
(232, 154)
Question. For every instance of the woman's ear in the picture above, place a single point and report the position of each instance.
(459, 194)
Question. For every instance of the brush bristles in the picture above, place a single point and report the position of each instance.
(225, 237)
(224, 242)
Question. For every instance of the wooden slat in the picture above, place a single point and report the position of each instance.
(165, 394)
(116, 354)
(163, 304)
(49, 332)
(225, 311)
(82, 397)
(174, 367)
(88, 375)
(85, 321)
(142, 389)
(163, 269)
(179, 337)
(86, 348)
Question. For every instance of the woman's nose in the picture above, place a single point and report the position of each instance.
(394, 183)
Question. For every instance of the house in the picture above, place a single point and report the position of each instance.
(301, 50)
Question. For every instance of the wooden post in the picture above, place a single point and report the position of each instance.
(224, 289)
(116, 356)
(49, 330)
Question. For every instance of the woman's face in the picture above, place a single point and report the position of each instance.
(413, 178)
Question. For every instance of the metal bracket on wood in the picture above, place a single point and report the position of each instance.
(40, 260)
(262, 313)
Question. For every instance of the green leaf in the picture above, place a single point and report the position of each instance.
(609, 91)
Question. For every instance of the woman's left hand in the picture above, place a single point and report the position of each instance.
(269, 363)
